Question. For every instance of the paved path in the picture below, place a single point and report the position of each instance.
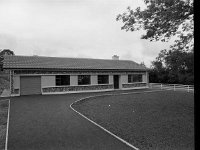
(48, 123)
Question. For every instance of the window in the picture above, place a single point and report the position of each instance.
(103, 79)
(134, 78)
(83, 79)
(62, 80)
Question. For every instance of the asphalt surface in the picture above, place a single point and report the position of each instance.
(47, 123)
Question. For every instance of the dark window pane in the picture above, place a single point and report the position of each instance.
(103, 79)
(83, 79)
(134, 78)
(62, 80)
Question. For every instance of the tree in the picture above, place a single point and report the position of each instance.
(2, 54)
(142, 64)
(161, 20)
(173, 66)
(6, 52)
(158, 73)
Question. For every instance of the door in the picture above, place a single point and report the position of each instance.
(30, 85)
(116, 81)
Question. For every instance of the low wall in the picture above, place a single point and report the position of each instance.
(134, 85)
(77, 88)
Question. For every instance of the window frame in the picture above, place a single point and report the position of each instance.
(83, 78)
(107, 76)
(64, 80)
(131, 78)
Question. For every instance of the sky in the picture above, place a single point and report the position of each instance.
(73, 28)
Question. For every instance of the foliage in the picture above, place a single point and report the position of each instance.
(161, 20)
(173, 66)
(6, 52)
(3, 53)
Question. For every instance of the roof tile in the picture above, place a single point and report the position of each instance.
(40, 62)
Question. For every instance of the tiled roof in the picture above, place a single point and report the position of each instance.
(40, 62)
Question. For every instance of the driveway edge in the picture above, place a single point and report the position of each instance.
(117, 137)
(8, 118)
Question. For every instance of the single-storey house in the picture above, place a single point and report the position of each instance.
(56, 75)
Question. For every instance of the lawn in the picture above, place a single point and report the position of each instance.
(3, 123)
(158, 120)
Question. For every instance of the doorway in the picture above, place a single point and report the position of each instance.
(116, 81)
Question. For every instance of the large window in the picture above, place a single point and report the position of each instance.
(134, 78)
(83, 79)
(103, 79)
(62, 80)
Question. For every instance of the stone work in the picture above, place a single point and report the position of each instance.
(11, 82)
(134, 85)
(77, 88)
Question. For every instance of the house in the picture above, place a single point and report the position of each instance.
(56, 75)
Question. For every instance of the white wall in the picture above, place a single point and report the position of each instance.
(110, 79)
(73, 80)
(94, 80)
(48, 81)
(145, 77)
(124, 79)
(16, 83)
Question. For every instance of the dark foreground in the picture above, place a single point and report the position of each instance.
(48, 123)
(159, 120)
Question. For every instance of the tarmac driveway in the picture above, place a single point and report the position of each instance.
(48, 123)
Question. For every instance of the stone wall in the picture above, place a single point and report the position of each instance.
(133, 85)
(11, 81)
(76, 88)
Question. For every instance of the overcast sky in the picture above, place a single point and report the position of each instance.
(73, 28)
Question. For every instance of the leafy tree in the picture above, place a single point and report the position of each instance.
(3, 53)
(6, 52)
(181, 66)
(173, 66)
(142, 64)
(161, 20)
(158, 74)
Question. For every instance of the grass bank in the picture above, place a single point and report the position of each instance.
(4, 82)
(3, 122)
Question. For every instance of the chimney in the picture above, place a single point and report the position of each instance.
(115, 57)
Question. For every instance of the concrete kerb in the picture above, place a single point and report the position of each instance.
(117, 137)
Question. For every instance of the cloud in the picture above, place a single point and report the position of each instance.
(7, 41)
(71, 28)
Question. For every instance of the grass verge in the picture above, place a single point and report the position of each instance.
(4, 84)
(158, 120)
(3, 122)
